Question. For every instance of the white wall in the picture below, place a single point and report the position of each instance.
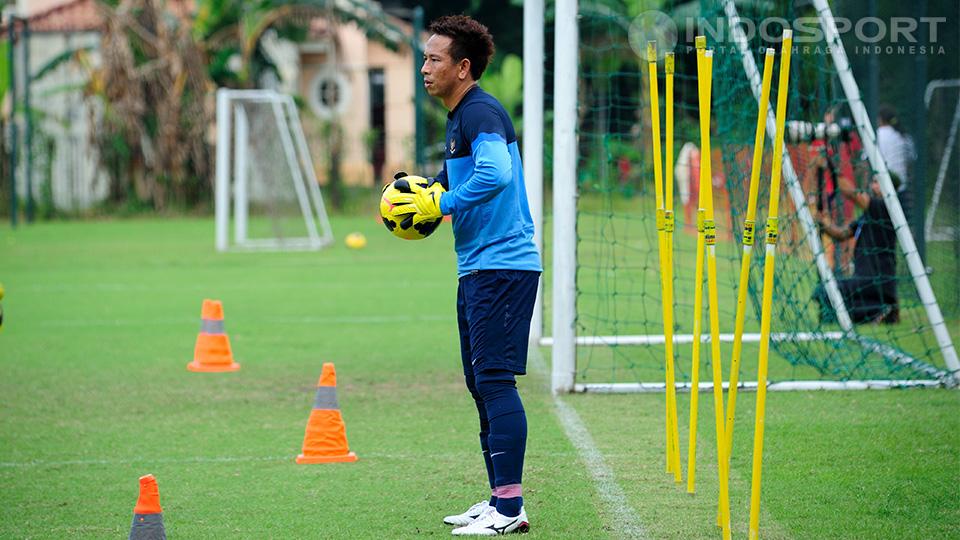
(26, 8)
(76, 181)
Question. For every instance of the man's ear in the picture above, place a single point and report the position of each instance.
(464, 68)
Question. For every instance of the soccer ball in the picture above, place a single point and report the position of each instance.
(355, 240)
(403, 226)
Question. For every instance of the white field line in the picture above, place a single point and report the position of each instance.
(751, 386)
(178, 321)
(624, 521)
(658, 339)
(204, 287)
(384, 456)
(89, 462)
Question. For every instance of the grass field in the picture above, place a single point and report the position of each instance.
(100, 320)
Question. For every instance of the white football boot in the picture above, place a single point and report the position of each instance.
(470, 515)
(493, 523)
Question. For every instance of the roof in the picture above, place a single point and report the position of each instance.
(85, 16)
(69, 16)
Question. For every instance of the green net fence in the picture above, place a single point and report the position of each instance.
(618, 290)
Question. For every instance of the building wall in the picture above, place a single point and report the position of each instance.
(398, 91)
(352, 60)
(355, 56)
(64, 161)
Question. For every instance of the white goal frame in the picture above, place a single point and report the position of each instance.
(232, 179)
(928, 231)
(564, 340)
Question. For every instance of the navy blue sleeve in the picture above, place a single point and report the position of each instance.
(482, 125)
(442, 178)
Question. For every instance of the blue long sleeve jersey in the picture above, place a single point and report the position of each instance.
(486, 196)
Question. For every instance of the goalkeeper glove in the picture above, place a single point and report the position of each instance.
(427, 201)
(423, 201)
(401, 197)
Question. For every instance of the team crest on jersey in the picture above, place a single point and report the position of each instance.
(453, 145)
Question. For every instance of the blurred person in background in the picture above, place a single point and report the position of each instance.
(835, 148)
(897, 150)
(870, 293)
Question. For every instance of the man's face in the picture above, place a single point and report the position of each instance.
(440, 73)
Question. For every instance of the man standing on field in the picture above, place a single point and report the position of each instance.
(498, 263)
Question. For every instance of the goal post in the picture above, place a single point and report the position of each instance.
(601, 263)
(934, 205)
(267, 196)
(904, 235)
(942, 222)
(564, 351)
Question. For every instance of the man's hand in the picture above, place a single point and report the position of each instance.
(824, 223)
(424, 202)
(822, 220)
(427, 201)
(400, 201)
(826, 226)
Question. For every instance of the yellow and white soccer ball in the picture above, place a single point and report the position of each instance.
(403, 226)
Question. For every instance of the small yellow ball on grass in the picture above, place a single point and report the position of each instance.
(355, 240)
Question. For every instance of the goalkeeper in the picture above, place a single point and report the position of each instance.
(871, 293)
(497, 261)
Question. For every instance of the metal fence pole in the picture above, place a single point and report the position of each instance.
(11, 23)
(28, 120)
(419, 98)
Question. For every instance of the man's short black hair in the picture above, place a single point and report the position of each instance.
(471, 40)
(888, 115)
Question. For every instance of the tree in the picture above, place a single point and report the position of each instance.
(160, 69)
(152, 84)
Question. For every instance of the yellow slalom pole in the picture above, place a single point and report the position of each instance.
(748, 236)
(697, 298)
(658, 199)
(710, 239)
(769, 262)
(668, 267)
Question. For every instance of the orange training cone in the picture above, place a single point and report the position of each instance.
(212, 352)
(326, 437)
(147, 515)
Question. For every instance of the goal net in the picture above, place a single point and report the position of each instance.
(941, 219)
(831, 328)
(267, 194)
